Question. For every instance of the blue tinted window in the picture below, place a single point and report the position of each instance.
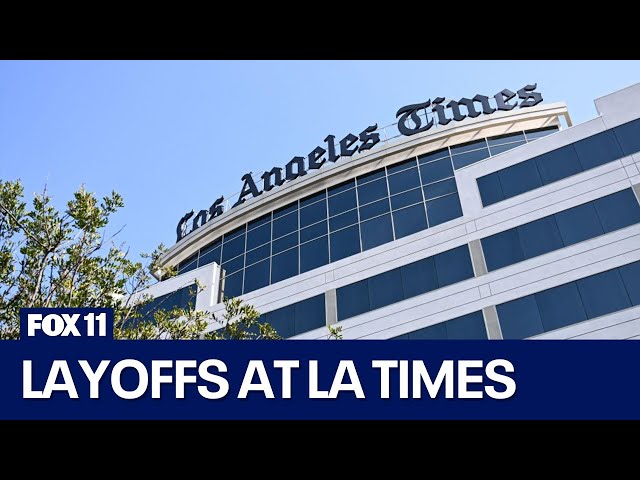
(419, 277)
(506, 138)
(520, 318)
(453, 266)
(343, 220)
(286, 210)
(385, 289)
(256, 276)
(403, 181)
(232, 285)
(443, 209)
(628, 136)
(368, 177)
(434, 171)
(376, 231)
(631, 278)
(434, 332)
(519, 178)
(469, 158)
(598, 150)
(259, 236)
(618, 210)
(603, 293)
(342, 202)
(430, 157)
(372, 191)
(234, 233)
(374, 209)
(344, 243)
(310, 314)
(259, 221)
(282, 320)
(314, 254)
(258, 254)
(314, 231)
(313, 214)
(558, 164)
(467, 327)
(311, 199)
(401, 166)
(407, 198)
(353, 299)
(233, 265)
(210, 254)
(560, 306)
(502, 249)
(490, 189)
(409, 220)
(284, 265)
(284, 243)
(188, 265)
(440, 189)
(539, 237)
(341, 187)
(497, 149)
(232, 248)
(467, 147)
(285, 225)
(539, 133)
(578, 224)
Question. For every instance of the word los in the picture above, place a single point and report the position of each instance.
(209, 381)
(409, 123)
(65, 325)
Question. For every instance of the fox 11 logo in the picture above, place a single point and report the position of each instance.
(70, 323)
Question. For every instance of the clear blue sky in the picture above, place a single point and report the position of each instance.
(172, 136)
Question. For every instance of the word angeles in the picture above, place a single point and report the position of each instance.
(410, 122)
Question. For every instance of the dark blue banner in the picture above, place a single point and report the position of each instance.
(65, 368)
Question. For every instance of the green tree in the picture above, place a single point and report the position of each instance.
(52, 259)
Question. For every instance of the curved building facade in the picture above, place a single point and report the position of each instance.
(509, 223)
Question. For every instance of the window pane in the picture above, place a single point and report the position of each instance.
(376, 232)
(259, 221)
(285, 225)
(469, 158)
(235, 233)
(419, 277)
(353, 299)
(431, 156)
(344, 243)
(341, 187)
(286, 210)
(453, 266)
(256, 276)
(372, 191)
(598, 150)
(284, 265)
(603, 293)
(434, 332)
(313, 214)
(342, 202)
(490, 189)
(316, 197)
(310, 314)
(284, 243)
(631, 278)
(506, 138)
(539, 237)
(282, 320)
(210, 255)
(409, 220)
(578, 224)
(385, 289)
(519, 178)
(443, 209)
(343, 220)
(497, 149)
(468, 146)
(368, 177)
(401, 166)
(520, 318)
(539, 133)
(628, 136)
(440, 189)
(258, 254)
(313, 231)
(558, 164)
(233, 265)
(259, 236)
(232, 248)
(232, 285)
(314, 254)
(434, 171)
(403, 181)
(405, 199)
(560, 306)
(185, 267)
(374, 209)
(467, 327)
(618, 210)
(502, 249)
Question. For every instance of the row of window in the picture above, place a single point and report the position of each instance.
(563, 162)
(562, 229)
(182, 298)
(297, 318)
(404, 282)
(467, 327)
